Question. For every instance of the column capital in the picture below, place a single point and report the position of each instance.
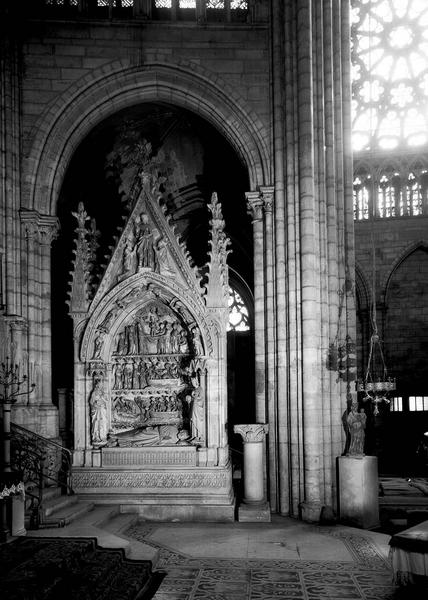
(267, 196)
(44, 228)
(252, 433)
(16, 322)
(254, 205)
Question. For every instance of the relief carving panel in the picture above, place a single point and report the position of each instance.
(155, 384)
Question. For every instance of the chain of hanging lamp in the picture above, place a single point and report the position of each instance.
(376, 384)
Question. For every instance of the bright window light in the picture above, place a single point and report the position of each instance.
(390, 74)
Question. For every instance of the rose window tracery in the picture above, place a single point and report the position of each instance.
(390, 74)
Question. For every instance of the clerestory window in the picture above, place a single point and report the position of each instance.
(390, 108)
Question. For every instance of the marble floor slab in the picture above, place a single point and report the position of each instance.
(284, 559)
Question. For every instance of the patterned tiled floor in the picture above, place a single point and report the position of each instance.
(218, 566)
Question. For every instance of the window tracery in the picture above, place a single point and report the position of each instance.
(239, 319)
(390, 74)
(389, 192)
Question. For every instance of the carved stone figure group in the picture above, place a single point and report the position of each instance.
(131, 412)
(153, 333)
(130, 375)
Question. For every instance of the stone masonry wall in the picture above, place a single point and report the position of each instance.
(58, 54)
(401, 267)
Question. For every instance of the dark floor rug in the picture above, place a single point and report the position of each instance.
(71, 569)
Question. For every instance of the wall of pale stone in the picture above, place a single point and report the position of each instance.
(58, 55)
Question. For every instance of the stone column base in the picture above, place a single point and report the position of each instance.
(256, 513)
(311, 511)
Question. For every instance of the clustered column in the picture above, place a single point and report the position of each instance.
(40, 231)
(313, 248)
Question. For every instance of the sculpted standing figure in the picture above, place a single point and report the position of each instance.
(128, 258)
(128, 374)
(357, 424)
(98, 345)
(197, 414)
(118, 376)
(122, 346)
(146, 252)
(98, 411)
(197, 344)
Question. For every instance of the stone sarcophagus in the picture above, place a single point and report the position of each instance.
(150, 369)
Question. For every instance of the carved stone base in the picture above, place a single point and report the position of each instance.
(358, 491)
(259, 513)
(223, 513)
(161, 492)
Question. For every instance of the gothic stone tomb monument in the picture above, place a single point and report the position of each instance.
(150, 369)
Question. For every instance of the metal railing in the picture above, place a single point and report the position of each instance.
(43, 464)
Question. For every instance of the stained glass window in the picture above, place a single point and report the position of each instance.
(396, 404)
(390, 74)
(418, 403)
(215, 4)
(238, 313)
(361, 199)
(61, 2)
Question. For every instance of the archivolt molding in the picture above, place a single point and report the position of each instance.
(117, 85)
(421, 244)
(130, 296)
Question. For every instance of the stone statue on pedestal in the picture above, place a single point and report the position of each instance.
(356, 424)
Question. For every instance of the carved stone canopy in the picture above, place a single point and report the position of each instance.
(253, 432)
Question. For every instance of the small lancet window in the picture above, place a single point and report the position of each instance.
(239, 319)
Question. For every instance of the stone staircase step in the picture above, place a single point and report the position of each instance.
(97, 517)
(51, 492)
(108, 526)
(67, 514)
(57, 503)
(116, 526)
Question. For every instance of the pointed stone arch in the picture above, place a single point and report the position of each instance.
(120, 84)
(420, 244)
(362, 285)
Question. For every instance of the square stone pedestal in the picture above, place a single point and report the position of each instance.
(254, 514)
(358, 491)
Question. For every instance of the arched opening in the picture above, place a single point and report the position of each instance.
(240, 354)
(195, 160)
(406, 334)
